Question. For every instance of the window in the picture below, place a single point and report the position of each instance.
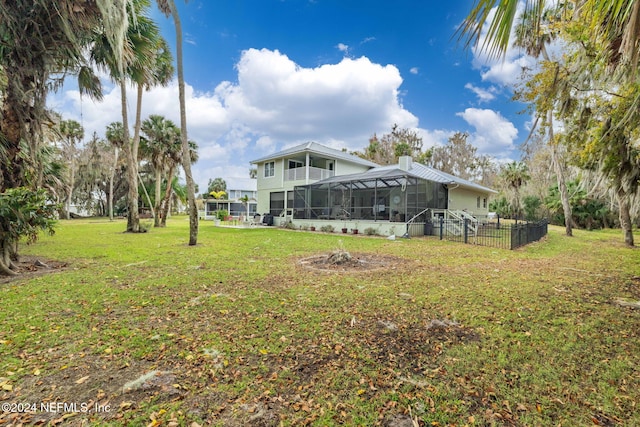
(484, 203)
(478, 202)
(269, 169)
(294, 164)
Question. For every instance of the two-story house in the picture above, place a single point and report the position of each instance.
(313, 185)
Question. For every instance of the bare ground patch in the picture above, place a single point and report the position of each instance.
(338, 262)
(31, 266)
(96, 389)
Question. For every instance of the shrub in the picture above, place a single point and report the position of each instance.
(370, 231)
(23, 214)
(327, 228)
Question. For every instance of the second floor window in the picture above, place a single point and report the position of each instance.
(269, 169)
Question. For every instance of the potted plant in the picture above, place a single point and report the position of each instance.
(355, 229)
(344, 229)
(312, 228)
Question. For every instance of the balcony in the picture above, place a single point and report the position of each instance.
(300, 174)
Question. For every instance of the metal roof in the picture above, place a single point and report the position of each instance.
(315, 148)
(417, 170)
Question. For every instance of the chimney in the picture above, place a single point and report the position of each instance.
(404, 163)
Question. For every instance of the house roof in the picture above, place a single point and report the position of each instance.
(416, 170)
(315, 148)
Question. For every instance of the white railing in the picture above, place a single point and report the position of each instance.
(300, 174)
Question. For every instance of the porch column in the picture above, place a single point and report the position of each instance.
(306, 169)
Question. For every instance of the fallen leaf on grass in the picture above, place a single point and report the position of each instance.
(81, 380)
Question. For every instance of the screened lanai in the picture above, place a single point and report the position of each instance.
(380, 194)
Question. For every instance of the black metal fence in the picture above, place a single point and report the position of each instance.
(494, 234)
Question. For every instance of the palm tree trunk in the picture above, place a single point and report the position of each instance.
(166, 202)
(186, 155)
(133, 217)
(70, 186)
(158, 196)
(111, 178)
(625, 217)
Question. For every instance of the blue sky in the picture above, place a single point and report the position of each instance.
(263, 75)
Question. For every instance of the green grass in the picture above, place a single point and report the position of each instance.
(247, 336)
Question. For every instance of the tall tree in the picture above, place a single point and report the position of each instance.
(217, 184)
(605, 139)
(142, 39)
(545, 91)
(115, 136)
(174, 160)
(614, 24)
(458, 157)
(515, 175)
(389, 147)
(72, 134)
(160, 148)
(41, 38)
(168, 7)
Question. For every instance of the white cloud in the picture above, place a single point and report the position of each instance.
(414, 70)
(484, 95)
(508, 72)
(343, 47)
(494, 134)
(273, 103)
(346, 101)
(506, 69)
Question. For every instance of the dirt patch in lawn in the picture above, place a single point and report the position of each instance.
(345, 262)
(96, 389)
(31, 266)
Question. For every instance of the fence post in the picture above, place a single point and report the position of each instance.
(441, 226)
(465, 223)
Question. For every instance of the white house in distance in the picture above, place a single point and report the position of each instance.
(314, 185)
(233, 202)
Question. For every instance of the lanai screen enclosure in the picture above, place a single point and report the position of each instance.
(381, 194)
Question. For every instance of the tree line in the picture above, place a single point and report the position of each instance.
(44, 41)
(528, 188)
(591, 88)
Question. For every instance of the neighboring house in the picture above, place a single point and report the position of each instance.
(279, 173)
(394, 199)
(233, 203)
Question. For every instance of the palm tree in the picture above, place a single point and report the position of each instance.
(168, 7)
(159, 147)
(174, 160)
(515, 175)
(142, 39)
(41, 38)
(614, 21)
(72, 133)
(534, 37)
(613, 30)
(115, 136)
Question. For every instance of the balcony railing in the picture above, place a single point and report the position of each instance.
(300, 174)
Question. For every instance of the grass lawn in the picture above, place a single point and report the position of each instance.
(236, 332)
